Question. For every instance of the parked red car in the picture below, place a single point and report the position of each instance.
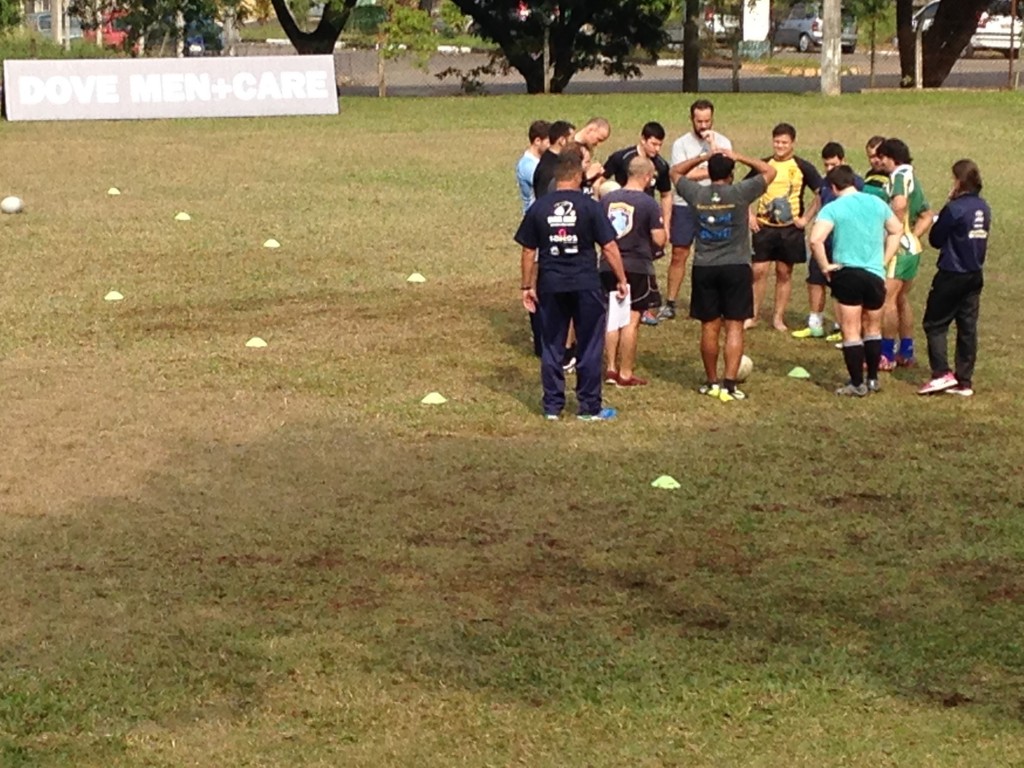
(115, 30)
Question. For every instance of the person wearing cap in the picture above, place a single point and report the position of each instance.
(722, 291)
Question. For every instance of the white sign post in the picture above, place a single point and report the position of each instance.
(140, 89)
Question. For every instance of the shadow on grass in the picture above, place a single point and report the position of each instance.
(511, 327)
(514, 568)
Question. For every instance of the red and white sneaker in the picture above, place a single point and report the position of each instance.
(611, 377)
(885, 364)
(939, 384)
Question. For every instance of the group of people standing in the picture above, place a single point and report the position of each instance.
(864, 244)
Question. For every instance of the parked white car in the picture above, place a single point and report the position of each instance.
(998, 30)
(721, 21)
(993, 32)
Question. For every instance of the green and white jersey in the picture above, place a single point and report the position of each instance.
(904, 182)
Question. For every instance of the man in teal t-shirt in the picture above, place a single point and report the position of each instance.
(865, 238)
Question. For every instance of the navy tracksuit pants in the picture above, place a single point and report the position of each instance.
(588, 312)
(955, 296)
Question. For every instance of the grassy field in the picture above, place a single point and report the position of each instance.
(221, 556)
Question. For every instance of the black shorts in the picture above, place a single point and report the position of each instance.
(785, 244)
(855, 287)
(722, 292)
(643, 289)
(814, 274)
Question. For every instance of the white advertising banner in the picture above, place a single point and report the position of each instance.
(140, 89)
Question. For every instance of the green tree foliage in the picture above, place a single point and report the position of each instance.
(874, 15)
(10, 14)
(453, 21)
(581, 34)
(405, 30)
(155, 20)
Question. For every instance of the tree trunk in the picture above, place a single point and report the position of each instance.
(532, 70)
(327, 32)
(691, 47)
(831, 49)
(905, 39)
(874, 48)
(562, 58)
(951, 32)
(546, 58)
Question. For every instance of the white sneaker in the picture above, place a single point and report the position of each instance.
(938, 384)
(962, 391)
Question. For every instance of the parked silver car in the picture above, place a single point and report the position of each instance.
(802, 29)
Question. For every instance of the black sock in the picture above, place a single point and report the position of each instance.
(854, 357)
(872, 355)
(729, 385)
(670, 302)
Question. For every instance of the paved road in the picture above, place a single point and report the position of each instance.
(783, 72)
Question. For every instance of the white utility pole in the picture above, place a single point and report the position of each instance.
(831, 49)
(57, 20)
(179, 33)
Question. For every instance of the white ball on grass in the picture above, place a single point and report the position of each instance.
(11, 205)
(746, 368)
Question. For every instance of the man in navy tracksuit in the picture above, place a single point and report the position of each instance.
(961, 234)
(561, 284)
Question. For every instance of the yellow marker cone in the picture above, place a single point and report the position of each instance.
(256, 343)
(182, 217)
(113, 191)
(434, 398)
(113, 296)
(271, 243)
(416, 277)
(799, 373)
(667, 482)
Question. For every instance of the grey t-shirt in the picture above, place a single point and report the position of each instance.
(689, 146)
(723, 231)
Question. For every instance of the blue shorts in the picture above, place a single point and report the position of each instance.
(683, 229)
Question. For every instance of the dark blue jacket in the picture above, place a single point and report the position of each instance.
(960, 232)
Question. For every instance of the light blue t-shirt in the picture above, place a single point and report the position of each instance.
(858, 231)
(524, 176)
